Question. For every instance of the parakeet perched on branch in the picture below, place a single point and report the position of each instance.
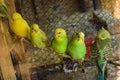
(19, 26)
(3, 8)
(38, 37)
(100, 50)
(77, 48)
(60, 41)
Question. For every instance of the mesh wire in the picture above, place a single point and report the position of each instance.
(73, 16)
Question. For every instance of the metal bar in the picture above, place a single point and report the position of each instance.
(96, 4)
(35, 10)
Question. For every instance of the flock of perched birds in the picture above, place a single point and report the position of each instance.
(76, 48)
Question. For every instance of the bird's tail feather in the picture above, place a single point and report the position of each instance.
(101, 75)
(102, 71)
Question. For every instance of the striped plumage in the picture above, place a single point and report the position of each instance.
(104, 45)
(100, 51)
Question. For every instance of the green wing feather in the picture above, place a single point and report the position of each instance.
(3, 10)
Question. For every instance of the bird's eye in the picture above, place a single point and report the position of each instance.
(102, 35)
(35, 30)
(59, 33)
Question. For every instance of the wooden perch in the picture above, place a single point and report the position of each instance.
(18, 48)
(6, 65)
(7, 45)
(68, 65)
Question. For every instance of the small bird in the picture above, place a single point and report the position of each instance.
(100, 50)
(38, 37)
(3, 8)
(20, 26)
(77, 48)
(60, 42)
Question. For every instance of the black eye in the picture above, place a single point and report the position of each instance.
(59, 33)
(35, 30)
(102, 35)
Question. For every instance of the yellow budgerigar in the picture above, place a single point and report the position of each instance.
(19, 26)
(38, 37)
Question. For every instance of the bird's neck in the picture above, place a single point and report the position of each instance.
(60, 39)
(18, 21)
(75, 42)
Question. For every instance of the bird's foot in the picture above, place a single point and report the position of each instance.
(69, 65)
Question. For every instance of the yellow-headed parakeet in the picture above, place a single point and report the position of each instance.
(60, 41)
(38, 37)
(19, 26)
(77, 48)
(100, 50)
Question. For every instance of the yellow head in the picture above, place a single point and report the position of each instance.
(103, 34)
(16, 16)
(59, 34)
(79, 37)
(35, 27)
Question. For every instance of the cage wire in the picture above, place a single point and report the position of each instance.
(73, 16)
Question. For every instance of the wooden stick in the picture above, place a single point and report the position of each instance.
(6, 65)
(23, 66)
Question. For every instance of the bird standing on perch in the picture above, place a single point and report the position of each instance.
(38, 37)
(100, 51)
(60, 41)
(20, 27)
(77, 48)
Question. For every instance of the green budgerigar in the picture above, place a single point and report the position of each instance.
(38, 37)
(77, 48)
(100, 50)
(60, 41)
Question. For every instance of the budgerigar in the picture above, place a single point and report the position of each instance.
(77, 48)
(19, 26)
(38, 37)
(60, 41)
(100, 50)
(3, 8)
